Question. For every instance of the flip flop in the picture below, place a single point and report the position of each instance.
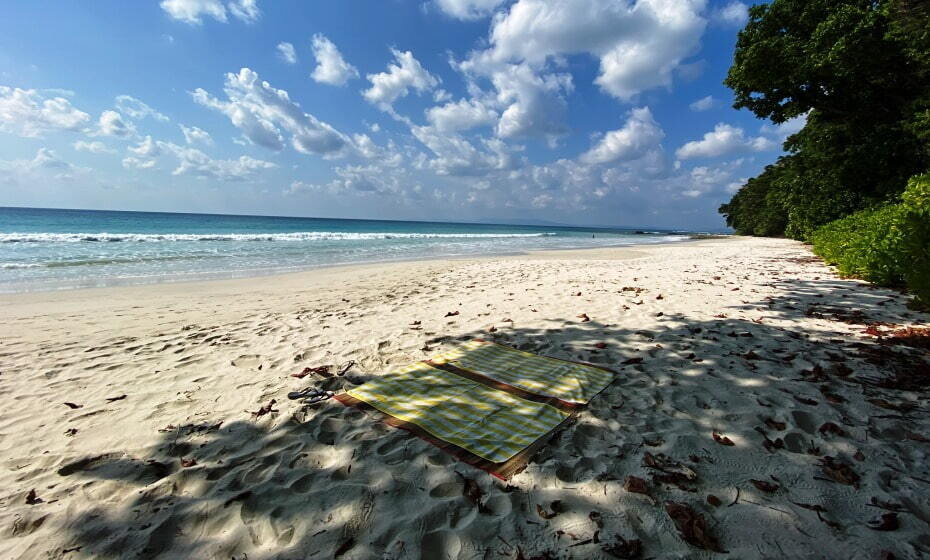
(308, 392)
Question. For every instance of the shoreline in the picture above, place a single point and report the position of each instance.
(131, 425)
(541, 253)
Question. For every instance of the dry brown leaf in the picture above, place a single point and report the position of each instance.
(691, 526)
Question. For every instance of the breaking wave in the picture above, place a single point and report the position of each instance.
(295, 236)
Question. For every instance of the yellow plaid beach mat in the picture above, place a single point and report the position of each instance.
(476, 402)
(571, 382)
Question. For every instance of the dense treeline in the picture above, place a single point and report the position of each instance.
(860, 71)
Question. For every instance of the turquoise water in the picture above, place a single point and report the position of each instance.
(43, 249)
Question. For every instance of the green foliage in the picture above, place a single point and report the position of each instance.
(889, 245)
(860, 71)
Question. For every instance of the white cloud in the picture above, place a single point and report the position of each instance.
(147, 148)
(287, 53)
(132, 162)
(267, 116)
(703, 104)
(245, 10)
(194, 135)
(331, 68)
(535, 104)
(193, 11)
(734, 13)
(639, 45)
(137, 109)
(95, 147)
(640, 134)
(408, 73)
(111, 123)
(459, 157)
(782, 131)
(26, 113)
(468, 9)
(724, 139)
(461, 115)
(192, 161)
(46, 162)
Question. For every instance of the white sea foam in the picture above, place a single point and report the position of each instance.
(104, 237)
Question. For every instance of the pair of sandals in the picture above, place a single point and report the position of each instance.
(310, 395)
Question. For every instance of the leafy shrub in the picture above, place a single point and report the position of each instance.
(889, 245)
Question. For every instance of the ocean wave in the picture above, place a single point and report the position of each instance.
(15, 265)
(294, 236)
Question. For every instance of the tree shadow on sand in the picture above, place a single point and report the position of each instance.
(335, 482)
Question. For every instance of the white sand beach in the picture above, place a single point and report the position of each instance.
(160, 454)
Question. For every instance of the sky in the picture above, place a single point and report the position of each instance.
(581, 112)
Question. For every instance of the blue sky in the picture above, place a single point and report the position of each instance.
(600, 112)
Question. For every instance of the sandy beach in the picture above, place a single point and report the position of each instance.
(129, 426)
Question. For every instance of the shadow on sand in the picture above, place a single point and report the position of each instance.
(334, 482)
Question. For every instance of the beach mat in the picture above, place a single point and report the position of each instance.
(489, 424)
(573, 383)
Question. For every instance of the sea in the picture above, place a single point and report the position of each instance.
(54, 249)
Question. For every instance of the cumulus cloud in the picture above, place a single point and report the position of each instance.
(27, 113)
(331, 68)
(111, 123)
(192, 161)
(193, 11)
(95, 147)
(724, 139)
(137, 109)
(703, 104)
(639, 45)
(535, 104)
(461, 115)
(734, 13)
(458, 156)
(406, 74)
(639, 134)
(267, 116)
(287, 53)
(194, 135)
(147, 148)
(468, 9)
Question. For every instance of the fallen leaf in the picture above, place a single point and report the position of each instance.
(713, 500)
(452, 313)
(774, 424)
(636, 485)
(492, 329)
(584, 317)
(839, 471)
(32, 499)
(71, 432)
(544, 514)
(114, 399)
(73, 406)
(415, 323)
(722, 440)
(625, 549)
(831, 428)
(764, 485)
(885, 522)
(188, 463)
(600, 345)
(691, 526)
(265, 409)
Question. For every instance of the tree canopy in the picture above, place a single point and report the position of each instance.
(859, 71)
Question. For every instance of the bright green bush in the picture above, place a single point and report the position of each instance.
(888, 246)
